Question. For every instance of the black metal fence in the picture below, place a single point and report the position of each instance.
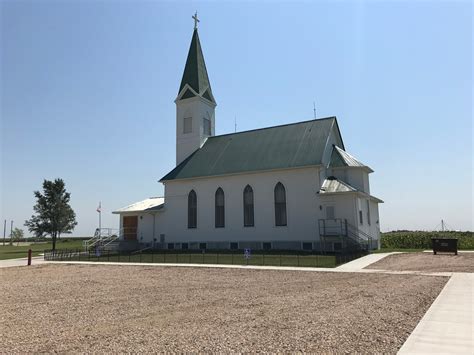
(229, 257)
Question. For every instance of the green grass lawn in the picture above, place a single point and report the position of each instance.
(215, 258)
(13, 251)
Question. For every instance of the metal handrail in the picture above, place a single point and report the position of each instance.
(340, 227)
(102, 237)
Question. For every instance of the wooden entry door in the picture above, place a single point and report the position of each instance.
(130, 224)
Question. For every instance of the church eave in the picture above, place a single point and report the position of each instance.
(164, 179)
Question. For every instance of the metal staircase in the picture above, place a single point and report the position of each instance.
(103, 239)
(348, 238)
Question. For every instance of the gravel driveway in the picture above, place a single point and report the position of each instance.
(426, 262)
(93, 308)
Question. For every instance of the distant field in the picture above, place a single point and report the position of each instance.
(422, 240)
(21, 251)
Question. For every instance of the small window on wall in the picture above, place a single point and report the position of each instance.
(368, 212)
(187, 125)
(206, 126)
(361, 221)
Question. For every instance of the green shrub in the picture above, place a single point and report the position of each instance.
(422, 240)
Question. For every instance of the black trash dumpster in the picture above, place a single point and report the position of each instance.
(444, 245)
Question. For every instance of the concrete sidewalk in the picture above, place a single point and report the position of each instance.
(447, 326)
(359, 264)
(36, 260)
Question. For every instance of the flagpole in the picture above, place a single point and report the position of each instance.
(100, 215)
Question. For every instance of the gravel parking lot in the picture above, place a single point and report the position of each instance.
(426, 262)
(94, 308)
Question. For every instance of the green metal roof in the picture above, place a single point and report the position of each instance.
(195, 73)
(332, 185)
(340, 158)
(288, 146)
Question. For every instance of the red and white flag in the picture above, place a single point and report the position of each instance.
(99, 209)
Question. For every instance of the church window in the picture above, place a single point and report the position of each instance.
(361, 218)
(368, 212)
(220, 211)
(187, 125)
(192, 209)
(280, 205)
(206, 126)
(248, 207)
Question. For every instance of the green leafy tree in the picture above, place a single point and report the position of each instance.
(53, 214)
(17, 235)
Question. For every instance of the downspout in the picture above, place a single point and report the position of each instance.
(154, 239)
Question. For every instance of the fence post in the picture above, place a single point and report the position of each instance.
(152, 255)
(232, 257)
(129, 255)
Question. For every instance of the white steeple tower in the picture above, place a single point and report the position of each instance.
(195, 104)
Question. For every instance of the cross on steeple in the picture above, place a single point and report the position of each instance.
(195, 17)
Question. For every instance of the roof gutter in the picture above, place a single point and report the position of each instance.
(242, 173)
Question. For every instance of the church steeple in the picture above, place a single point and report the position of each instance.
(195, 73)
(195, 104)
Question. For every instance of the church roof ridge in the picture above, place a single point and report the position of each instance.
(277, 126)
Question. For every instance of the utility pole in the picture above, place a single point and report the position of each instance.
(4, 231)
(11, 232)
(442, 225)
(314, 109)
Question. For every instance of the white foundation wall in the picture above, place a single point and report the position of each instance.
(302, 205)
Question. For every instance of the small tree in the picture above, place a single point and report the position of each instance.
(17, 235)
(53, 215)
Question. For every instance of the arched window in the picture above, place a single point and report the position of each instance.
(280, 205)
(248, 207)
(220, 209)
(192, 209)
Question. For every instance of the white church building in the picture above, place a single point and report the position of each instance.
(287, 187)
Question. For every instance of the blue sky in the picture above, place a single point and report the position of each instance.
(87, 91)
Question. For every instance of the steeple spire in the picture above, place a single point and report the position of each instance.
(195, 72)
